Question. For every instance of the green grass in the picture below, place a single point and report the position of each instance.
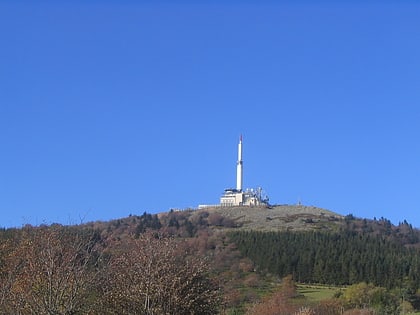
(307, 294)
(317, 293)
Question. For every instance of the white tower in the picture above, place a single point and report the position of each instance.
(239, 170)
(238, 197)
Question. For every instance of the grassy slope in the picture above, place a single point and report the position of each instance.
(317, 293)
(281, 217)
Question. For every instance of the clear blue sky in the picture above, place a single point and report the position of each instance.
(111, 108)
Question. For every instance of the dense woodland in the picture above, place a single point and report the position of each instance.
(331, 258)
(198, 262)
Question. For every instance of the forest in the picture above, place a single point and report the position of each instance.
(199, 262)
(331, 258)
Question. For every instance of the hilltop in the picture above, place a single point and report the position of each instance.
(279, 217)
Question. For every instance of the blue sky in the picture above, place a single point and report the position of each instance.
(111, 108)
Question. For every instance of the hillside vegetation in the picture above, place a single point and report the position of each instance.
(238, 260)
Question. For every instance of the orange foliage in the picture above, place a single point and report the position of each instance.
(279, 303)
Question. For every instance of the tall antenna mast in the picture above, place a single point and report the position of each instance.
(239, 167)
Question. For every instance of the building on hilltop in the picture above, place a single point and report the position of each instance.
(237, 196)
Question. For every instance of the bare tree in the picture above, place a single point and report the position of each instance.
(7, 277)
(51, 270)
(158, 276)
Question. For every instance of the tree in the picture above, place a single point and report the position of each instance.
(51, 270)
(157, 276)
(279, 302)
(7, 276)
(368, 296)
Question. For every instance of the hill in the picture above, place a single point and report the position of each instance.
(189, 222)
(244, 251)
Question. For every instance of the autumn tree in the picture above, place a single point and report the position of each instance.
(50, 270)
(156, 275)
(7, 277)
(279, 303)
(367, 296)
(333, 306)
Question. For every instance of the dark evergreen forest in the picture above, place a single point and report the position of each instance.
(338, 258)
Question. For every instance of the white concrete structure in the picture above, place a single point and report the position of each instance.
(238, 197)
(232, 197)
